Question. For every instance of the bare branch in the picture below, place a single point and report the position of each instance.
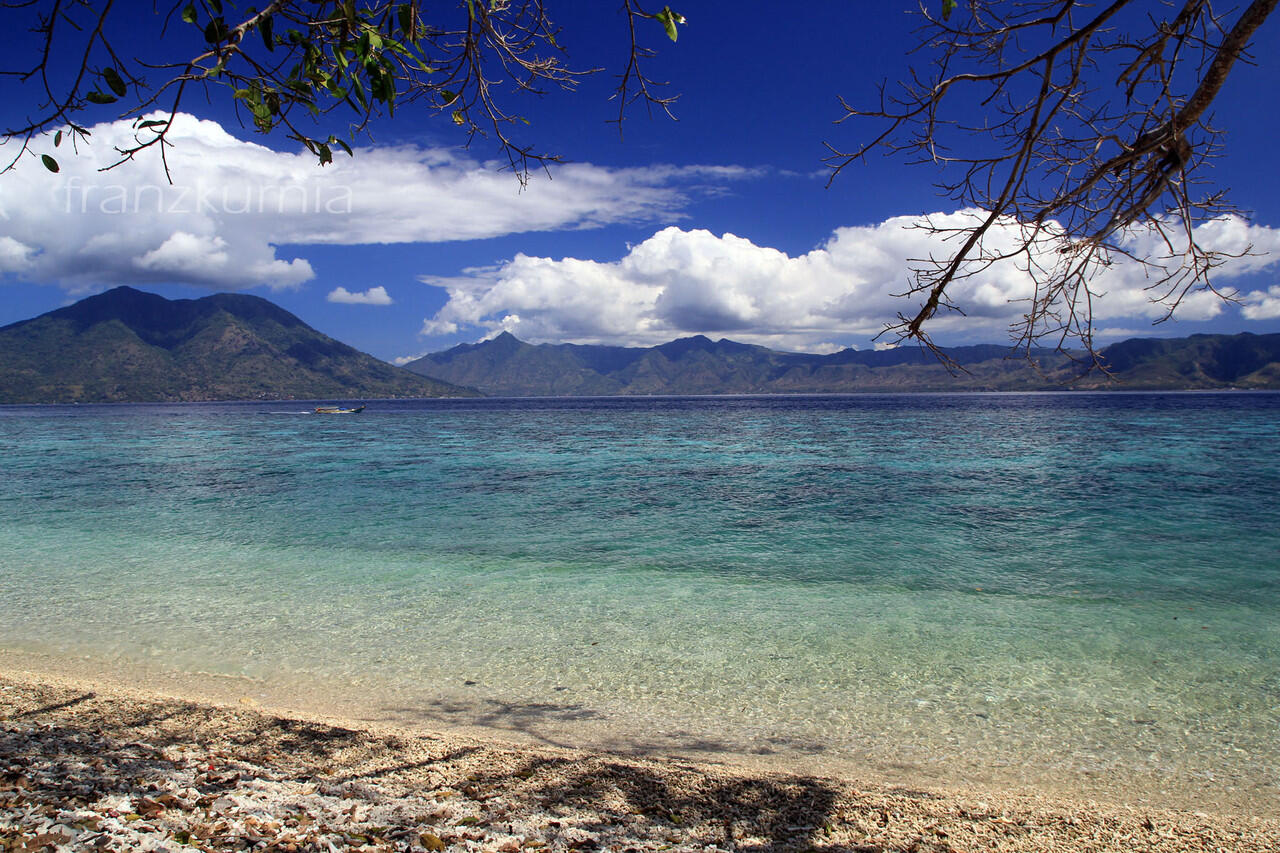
(1088, 136)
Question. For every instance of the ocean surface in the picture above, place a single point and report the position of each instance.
(1075, 591)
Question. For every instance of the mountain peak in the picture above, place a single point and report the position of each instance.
(504, 342)
(129, 345)
(680, 346)
(160, 321)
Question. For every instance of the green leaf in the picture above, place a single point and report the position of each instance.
(49, 163)
(448, 97)
(96, 97)
(396, 46)
(189, 13)
(215, 31)
(669, 19)
(325, 154)
(115, 81)
(383, 87)
(57, 139)
(948, 6)
(458, 118)
(357, 89)
(262, 113)
(344, 146)
(153, 123)
(264, 27)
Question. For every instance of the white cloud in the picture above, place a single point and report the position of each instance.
(1114, 333)
(682, 282)
(232, 203)
(372, 296)
(1262, 305)
(186, 253)
(14, 256)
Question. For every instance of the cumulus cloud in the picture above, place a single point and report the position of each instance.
(232, 203)
(1262, 304)
(681, 282)
(372, 296)
(14, 256)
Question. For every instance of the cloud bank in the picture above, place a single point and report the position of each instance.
(681, 282)
(232, 203)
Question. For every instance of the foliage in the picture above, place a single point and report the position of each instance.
(1081, 130)
(292, 64)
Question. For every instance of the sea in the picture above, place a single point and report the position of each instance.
(1077, 592)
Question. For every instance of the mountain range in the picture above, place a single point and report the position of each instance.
(127, 345)
(507, 366)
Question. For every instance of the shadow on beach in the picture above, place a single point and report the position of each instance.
(120, 769)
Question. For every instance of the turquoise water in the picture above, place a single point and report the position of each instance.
(1070, 590)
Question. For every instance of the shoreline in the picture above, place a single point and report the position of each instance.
(477, 713)
(91, 762)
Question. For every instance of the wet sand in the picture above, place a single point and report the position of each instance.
(87, 764)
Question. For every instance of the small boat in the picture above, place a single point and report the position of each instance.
(338, 410)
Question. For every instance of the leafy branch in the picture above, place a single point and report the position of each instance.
(296, 66)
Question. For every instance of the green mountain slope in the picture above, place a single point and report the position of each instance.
(128, 346)
(698, 365)
(1198, 362)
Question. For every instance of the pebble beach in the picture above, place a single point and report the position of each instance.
(93, 765)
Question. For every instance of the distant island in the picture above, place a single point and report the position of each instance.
(125, 345)
(507, 366)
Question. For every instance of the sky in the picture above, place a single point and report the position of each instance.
(720, 222)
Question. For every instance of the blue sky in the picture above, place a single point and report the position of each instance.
(717, 223)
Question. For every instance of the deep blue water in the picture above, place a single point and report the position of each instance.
(986, 585)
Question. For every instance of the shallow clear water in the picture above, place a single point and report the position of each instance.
(1076, 590)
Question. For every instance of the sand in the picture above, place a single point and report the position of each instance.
(91, 765)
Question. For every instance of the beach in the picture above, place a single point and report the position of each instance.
(98, 765)
(597, 624)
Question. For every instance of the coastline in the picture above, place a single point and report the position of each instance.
(100, 763)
